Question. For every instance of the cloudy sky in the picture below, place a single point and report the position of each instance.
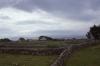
(32, 18)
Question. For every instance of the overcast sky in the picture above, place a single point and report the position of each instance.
(32, 18)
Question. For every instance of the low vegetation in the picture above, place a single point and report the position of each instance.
(43, 44)
(25, 60)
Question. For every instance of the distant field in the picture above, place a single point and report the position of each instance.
(85, 57)
(43, 44)
(25, 60)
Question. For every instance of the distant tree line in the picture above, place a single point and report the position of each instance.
(8, 40)
(94, 33)
(49, 38)
(5, 40)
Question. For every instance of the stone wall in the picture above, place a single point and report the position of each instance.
(69, 50)
(63, 52)
(32, 51)
(62, 57)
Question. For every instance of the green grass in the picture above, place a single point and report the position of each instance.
(25, 60)
(85, 57)
(43, 44)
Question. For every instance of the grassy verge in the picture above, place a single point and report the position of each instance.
(25, 60)
(86, 57)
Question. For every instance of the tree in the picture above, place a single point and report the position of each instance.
(94, 32)
(45, 38)
(88, 35)
(21, 39)
(5, 40)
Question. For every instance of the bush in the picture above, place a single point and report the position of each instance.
(21, 39)
(5, 40)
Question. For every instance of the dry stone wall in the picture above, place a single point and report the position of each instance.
(69, 50)
(32, 51)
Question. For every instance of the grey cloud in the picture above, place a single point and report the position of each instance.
(62, 5)
(4, 30)
(25, 22)
(34, 22)
(4, 17)
(7, 31)
(59, 33)
(68, 8)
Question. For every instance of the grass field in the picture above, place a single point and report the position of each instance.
(85, 57)
(43, 44)
(25, 60)
(29, 60)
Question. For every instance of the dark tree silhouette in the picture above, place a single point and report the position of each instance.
(94, 32)
(21, 39)
(45, 37)
(5, 40)
(88, 35)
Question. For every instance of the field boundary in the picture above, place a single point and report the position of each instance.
(31, 51)
(69, 51)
